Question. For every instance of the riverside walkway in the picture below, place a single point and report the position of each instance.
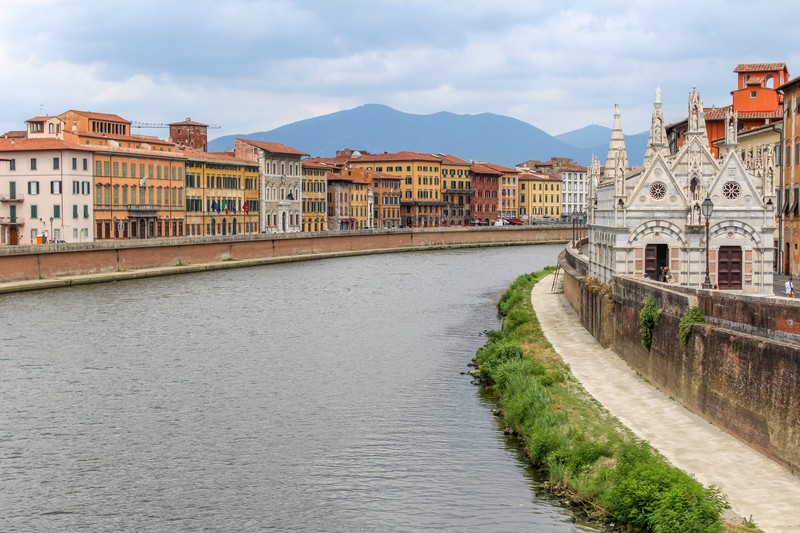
(756, 487)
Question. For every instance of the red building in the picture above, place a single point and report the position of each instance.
(485, 181)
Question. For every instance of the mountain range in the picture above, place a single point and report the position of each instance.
(489, 137)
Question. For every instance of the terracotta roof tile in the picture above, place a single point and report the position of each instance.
(188, 122)
(40, 118)
(221, 157)
(100, 116)
(19, 145)
(450, 159)
(399, 156)
(793, 81)
(499, 168)
(275, 148)
(480, 168)
(15, 134)
(759, 67)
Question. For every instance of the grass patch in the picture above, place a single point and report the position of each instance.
(588, 457)
(693, 316)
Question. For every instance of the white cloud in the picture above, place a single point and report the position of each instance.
(253, 65)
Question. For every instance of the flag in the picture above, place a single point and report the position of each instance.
(245, 208)
(214, 206)
(291, 196)
(225, 206)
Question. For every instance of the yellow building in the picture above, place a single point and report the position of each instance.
(221, 194)
(457, 191)
(422, 203)
(315, 195)
(138, 180)
(539, 196)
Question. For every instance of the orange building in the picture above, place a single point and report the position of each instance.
(386, 195)
(138, 180)
(756, 101)
(789, 199)
(422, 204)
(506, 192)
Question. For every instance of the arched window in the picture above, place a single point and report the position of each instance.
(770, 82)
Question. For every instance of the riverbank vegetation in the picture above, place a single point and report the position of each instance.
(591, 461)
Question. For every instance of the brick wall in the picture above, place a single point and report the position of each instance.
(741, 371)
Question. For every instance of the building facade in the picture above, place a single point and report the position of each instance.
(45, 191)
(486, 182)
(457, 191)
(315, 195)
(645, 219)
(138, 181)
(539, 196)
(221, 194)
(422, 204)
(790, 186)
(281, 184)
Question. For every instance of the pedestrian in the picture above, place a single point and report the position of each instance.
(789, 288)
(667, 275)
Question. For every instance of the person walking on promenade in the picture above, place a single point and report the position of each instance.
(789, 288)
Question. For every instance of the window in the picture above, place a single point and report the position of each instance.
(55, 187)
(34, 211)
(106, 168)
(753, 94)
(33, 163)
(55, 161)
(56, 211)
(12, 164)
(74, 163)
(33, 187)
(76, 187)
(86, 187)
(85, 211)
(75, 211)
(85, 164)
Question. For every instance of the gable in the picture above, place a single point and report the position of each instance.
(657, 189)
(733, 186)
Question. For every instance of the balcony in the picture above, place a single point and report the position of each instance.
(12, 198)
(12, 221)
(143, 210)
(459, 191)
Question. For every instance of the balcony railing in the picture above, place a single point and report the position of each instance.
(12, 197)
(12, 221)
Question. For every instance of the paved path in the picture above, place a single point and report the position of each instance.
(755, 486)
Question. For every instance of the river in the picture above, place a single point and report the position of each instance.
(317, 396)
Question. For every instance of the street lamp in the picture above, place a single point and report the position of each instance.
(51, 229)
(707, 207)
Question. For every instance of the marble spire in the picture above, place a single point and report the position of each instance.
(697, 118)
(657, 142)
(617, 154)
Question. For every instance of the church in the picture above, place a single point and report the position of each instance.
(709, 221)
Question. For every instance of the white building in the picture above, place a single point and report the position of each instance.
(45, 191)
(574, 189)
(280, 178)
(644, 219)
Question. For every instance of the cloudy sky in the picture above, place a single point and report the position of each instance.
(253, 65)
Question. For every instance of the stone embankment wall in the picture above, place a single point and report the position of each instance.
(740, 371)
(21, 263)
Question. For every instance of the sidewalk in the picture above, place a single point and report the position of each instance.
(755, 486)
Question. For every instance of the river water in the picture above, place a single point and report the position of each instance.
(315, 396)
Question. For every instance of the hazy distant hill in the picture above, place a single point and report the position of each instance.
(485, 137)
(595, 138)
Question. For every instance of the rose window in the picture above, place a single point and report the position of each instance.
(658, 190)
(731, 190)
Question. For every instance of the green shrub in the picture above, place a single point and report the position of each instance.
(693, 316)
(648, 320)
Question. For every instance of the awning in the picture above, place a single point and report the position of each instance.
(347, 220)
(515, 221)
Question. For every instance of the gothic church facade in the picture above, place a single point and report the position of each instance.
(642, 220)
